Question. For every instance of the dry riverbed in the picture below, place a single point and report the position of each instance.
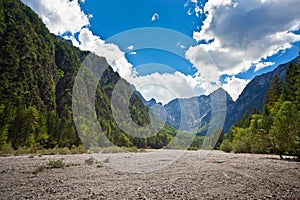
(166, 174)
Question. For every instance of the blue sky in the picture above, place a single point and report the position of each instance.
(178, 49)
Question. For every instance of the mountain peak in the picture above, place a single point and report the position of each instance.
(221, 91)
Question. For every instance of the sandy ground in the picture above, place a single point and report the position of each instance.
(166, 174)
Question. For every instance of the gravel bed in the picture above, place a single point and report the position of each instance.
(164, 174)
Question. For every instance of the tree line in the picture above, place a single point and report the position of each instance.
(277, 128)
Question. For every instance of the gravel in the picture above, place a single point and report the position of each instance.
(164, 174)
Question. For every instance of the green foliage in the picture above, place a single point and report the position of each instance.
(226, 146)
(214, 140)
(89, 161)
(55, 164)
(285, 128)
(6, 150)
(38, 169)
(241, 140)
(274, 91)
(197, 142)
(37, 75)
(277, 128)
(52, 164)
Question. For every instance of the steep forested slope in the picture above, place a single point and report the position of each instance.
(37, 73)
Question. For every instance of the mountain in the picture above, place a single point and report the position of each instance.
(251, 98)
(37, 74)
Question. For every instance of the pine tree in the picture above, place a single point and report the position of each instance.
(274, 91)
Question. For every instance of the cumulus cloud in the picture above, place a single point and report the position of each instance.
(155, 17)
(262, 65)
(234, 86)
(114, 56)
(63, 16)
(236, 35)
(60, 16)
(165, 87)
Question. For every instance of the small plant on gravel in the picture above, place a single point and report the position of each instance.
(39, 169)
(55, 164)
(99, 164)
(72, 164)
(106, 160)
(89, 161)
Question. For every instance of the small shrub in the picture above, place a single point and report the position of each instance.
(78, 150)
(52, 164)
(6, 150)
(226, 146)
(39, 169)
(130, 149)
(99, 164)
(55, 164)
(46, 152)
(191, 148)
(241, 146)
(89, 161)
(72, 164)
(24, 150)
(106, 160)
(142, 150)
(62, 151)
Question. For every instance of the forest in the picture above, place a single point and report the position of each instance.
(277, 128)
(37, 75)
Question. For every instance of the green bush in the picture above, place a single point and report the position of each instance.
(6, 150)
(78, 149)
(25, 150)
(39, 169)
(89, 161)
(226, 146)
(55, 164)
(241, 146)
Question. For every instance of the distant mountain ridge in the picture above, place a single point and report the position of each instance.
(252, 97)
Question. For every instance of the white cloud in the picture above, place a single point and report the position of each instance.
(114, 56)
(165, 87)
(242, 34)
(194, 7)
(60, 16)
(234, 86)
(155, 17)
(262, 65)
(63, 16)
(238, 34)
(130, 47)
(132, 53)
(181, 45)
